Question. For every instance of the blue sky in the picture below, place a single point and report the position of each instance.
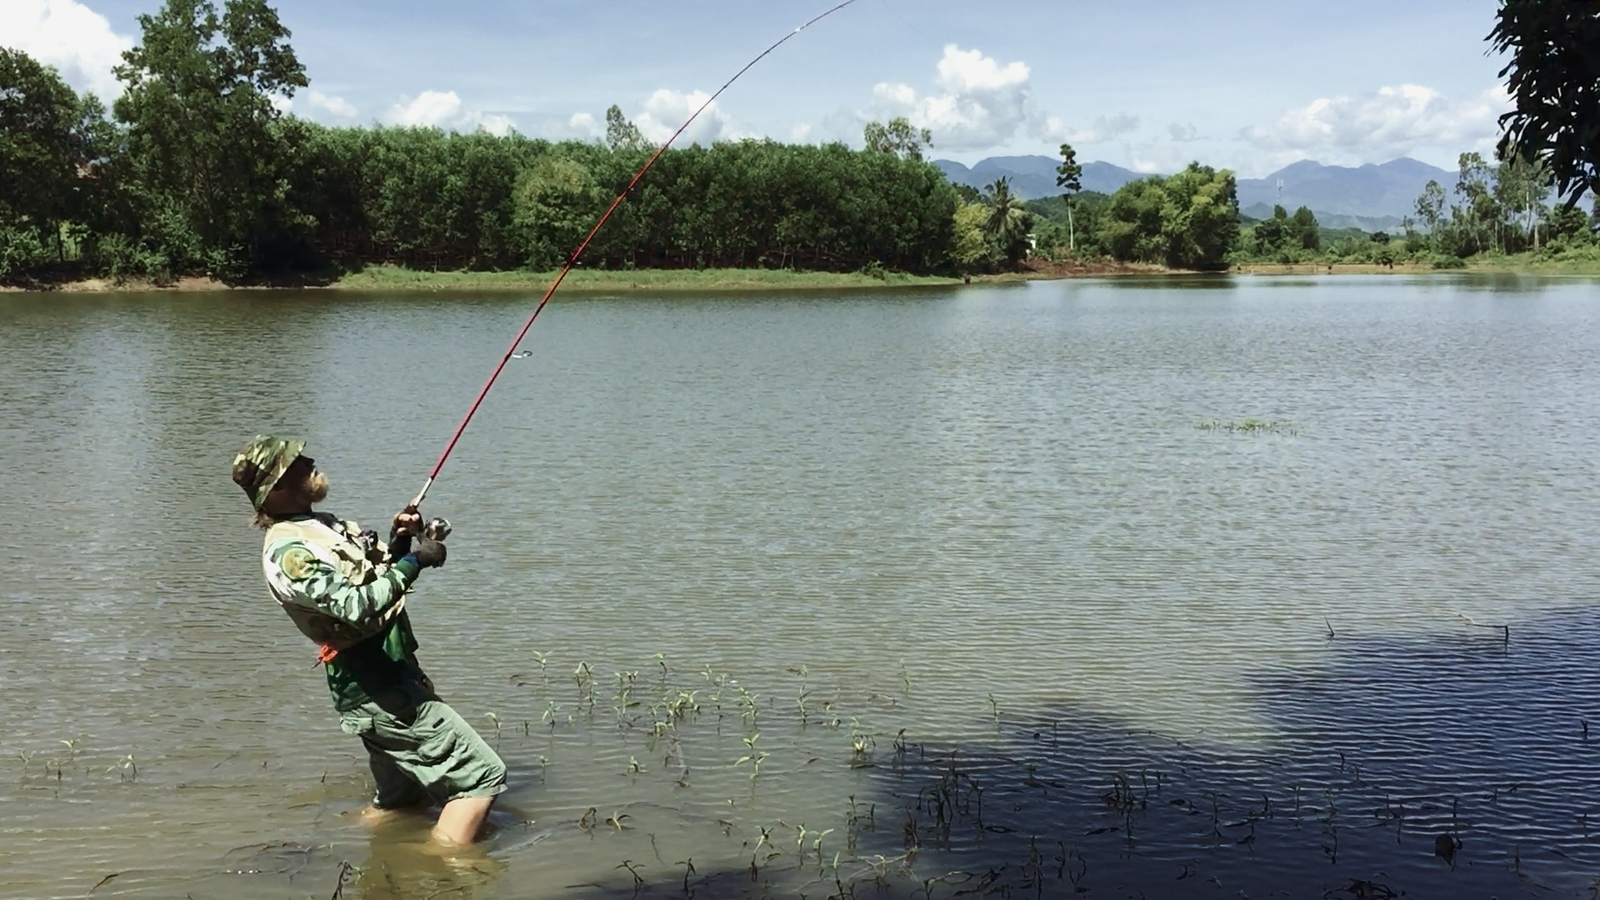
(1244, 84)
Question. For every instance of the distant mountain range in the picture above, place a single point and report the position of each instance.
(1034, 176)
(1370, 197)
(1389, 189)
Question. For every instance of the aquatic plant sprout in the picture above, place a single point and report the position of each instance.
(1250, 426)
(1040, 829)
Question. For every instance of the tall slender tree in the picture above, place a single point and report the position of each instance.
(1430, 205)
(1069, 179)
(1521, 189)
(1479, 215)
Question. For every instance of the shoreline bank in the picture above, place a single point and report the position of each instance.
(591, 281)
(1578, 268)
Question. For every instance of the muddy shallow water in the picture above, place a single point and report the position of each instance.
(930, 592)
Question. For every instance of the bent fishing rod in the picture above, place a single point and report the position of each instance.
(572, 260)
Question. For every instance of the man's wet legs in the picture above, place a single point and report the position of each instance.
(461, 820)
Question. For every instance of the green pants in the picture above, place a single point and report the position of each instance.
(423, 751)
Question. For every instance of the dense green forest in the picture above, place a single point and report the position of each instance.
(194, 170)
(1188, 221)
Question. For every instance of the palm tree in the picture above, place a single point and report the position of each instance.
(1008, 220)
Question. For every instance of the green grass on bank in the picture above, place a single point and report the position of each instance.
(1581, 261)
(390, 278)
(1574, 261)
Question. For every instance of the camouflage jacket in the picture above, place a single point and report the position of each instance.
(348, 600)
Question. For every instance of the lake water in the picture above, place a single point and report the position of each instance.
(998, 587)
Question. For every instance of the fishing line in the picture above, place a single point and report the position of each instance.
(572, 259)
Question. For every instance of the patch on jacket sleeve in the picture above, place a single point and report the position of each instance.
(296, 563)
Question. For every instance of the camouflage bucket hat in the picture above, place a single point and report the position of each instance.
(261, 463)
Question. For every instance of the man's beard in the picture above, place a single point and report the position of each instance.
(315, 488)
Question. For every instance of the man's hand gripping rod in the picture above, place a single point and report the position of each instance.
(416, 502)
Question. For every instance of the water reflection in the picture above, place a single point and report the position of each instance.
(401, 864)
(1509, 282)
(1217, 281)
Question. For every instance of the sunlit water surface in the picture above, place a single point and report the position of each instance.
(961, 576)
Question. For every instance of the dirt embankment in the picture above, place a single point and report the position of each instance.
(186, 284)
(1327, 269)
(1088, 268)
(1043, 269)
(95, 285)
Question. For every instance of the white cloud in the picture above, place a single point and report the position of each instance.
(799, 133)
(1148, 165)
(981, 103)
(578, 127)
(493, 123)
(666, 110)
(444, 109)
(72, 37)
(1163, 156)
(1384, 124)
(1183, 134)
(334, 107)
(430, 109)
(1103, 131)
(338, 107)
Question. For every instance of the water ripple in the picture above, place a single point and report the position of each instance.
(953, 545)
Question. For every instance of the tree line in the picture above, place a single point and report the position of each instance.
(1498, 209)
(195, 170)
(1493, 209)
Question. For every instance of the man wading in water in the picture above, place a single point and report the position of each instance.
(346, 591)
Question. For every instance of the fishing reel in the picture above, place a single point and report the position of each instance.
(437, 528)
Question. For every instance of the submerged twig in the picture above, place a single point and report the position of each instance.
(345, 871)
(1505, 629)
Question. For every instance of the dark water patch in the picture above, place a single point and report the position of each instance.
(1454, 765)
